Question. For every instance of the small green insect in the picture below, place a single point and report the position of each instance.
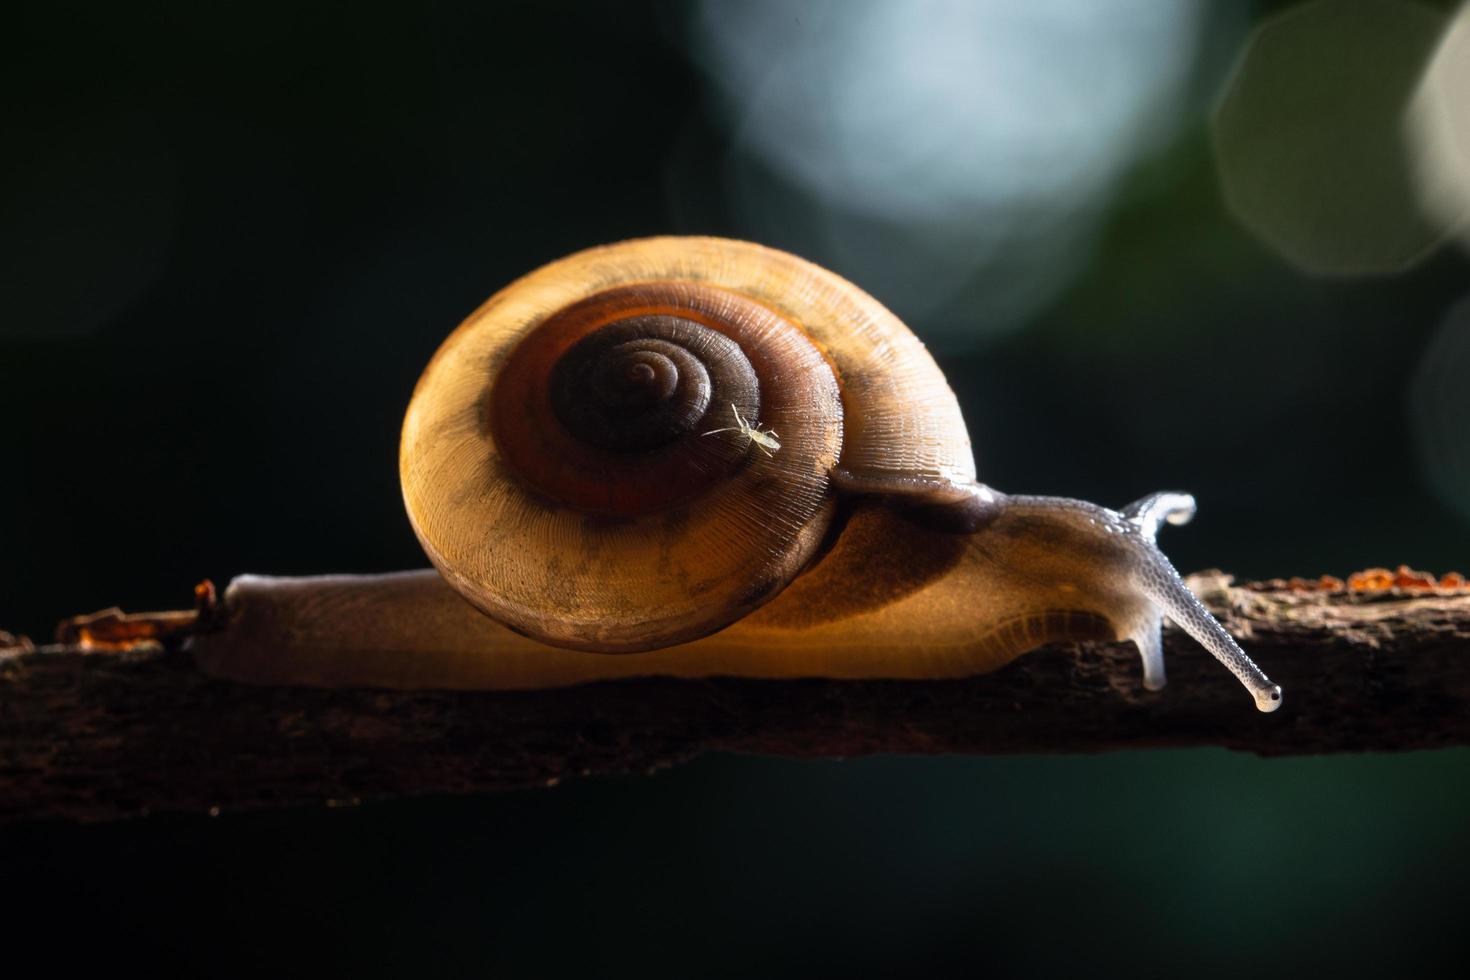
(764, 439)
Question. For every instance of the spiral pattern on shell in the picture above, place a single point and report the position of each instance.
(556, 462)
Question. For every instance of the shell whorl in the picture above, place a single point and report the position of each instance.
(554, 459)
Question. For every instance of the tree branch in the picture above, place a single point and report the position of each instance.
(98, 735)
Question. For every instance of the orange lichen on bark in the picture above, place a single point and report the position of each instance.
(113, 629)
(1326, 583)
(1370, 580)
(1378, 579)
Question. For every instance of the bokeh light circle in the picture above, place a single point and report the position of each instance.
(1310, 135)
(932, 147)
(1439, 410)
(1439, 126)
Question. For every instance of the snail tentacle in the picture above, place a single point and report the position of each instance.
(1112, 556)
(1148, 635)
(1160, 581)
(1174, 506)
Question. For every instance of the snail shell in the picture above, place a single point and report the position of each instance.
(555, 460)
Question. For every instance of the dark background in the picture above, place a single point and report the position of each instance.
(232, 236)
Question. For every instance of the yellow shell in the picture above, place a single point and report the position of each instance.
(601, 547)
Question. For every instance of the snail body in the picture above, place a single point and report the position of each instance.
(716, 459)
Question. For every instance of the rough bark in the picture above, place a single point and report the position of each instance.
(89, 735)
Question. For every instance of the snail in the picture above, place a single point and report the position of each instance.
(696, 457)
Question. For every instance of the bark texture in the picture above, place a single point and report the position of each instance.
(88, 735)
